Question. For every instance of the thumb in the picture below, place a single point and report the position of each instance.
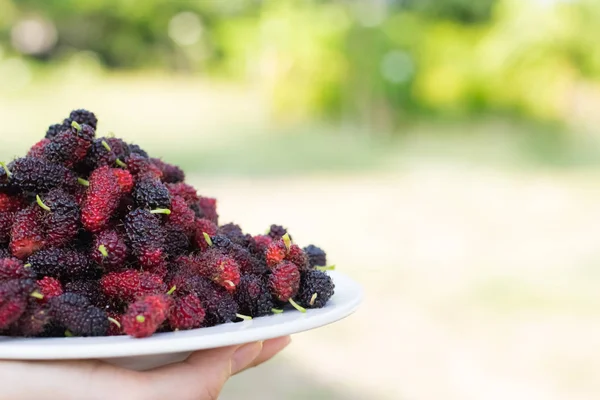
(203, 374)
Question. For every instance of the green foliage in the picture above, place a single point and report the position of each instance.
(376, 62)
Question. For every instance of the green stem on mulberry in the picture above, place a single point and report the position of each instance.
(165, 211)
(68, 333)
(114, 321)
(83, 182)
(5, 167)
(207, 238)
(172, 290)
(287, 241)
(40, 203)
(106, 145)
(329, 268)
(244, 317)
(313, 299)
(276, 310)
(141, 319)
(37, 295)
(121, 163)
(75, 125)
(297, 306)
(102, 249)
(27, 265)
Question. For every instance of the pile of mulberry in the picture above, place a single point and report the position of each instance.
(100, 238)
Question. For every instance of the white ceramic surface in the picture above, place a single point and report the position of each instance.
(166, 348)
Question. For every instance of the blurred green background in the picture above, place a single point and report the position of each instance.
(445, 152)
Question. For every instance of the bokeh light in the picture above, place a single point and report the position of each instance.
(34, 35)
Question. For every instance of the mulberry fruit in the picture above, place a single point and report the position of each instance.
(9, 206)
(12, 268)
(221, 242)
(99, 155)
(204, 226)
(253, 296)
(208, 209)
(101, 201)
(277, 232)
(170, 173)
(40, 176)
(146, 236)
(284, 281)
(316, 288)
(177, 242)
(27, 235)
(90, 289)
(13, 299)
(187, 313)
(131, 285)
(55, 129)
(217, 267)
(184, 190)
(261, 244)
(76, 314)
(275, 253)
(62, 221)
(145, 316)
(66, 264)
(110, 250)
(316, 256)
(32, 322)
(181, 216)
(37, 150)
(236, 235)
(135, 149)
(49, 287)
(84, 117)
(297, 256)
(140, 166)
(152, 194)
(70, 146)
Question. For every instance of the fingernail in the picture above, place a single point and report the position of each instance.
(244, 356)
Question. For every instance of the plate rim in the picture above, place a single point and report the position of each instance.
(178, 342)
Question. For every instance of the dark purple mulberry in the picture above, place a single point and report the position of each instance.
(84, 117)
(62, 222)
(316, 288)
(235, 234)
(55, 129)
(75, 313)
(90, 289)
(70, 146)
(177, 242)
(147, 239)
(40, 176)
(171, 173)
(65, 264)
(253, 296)
(110, 250)
(277, 232)
(151, 193)
(316, 256)
(134, 148)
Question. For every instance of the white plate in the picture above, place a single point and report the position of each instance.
(166, 348)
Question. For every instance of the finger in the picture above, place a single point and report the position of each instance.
(270, 349)
(203, 374)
